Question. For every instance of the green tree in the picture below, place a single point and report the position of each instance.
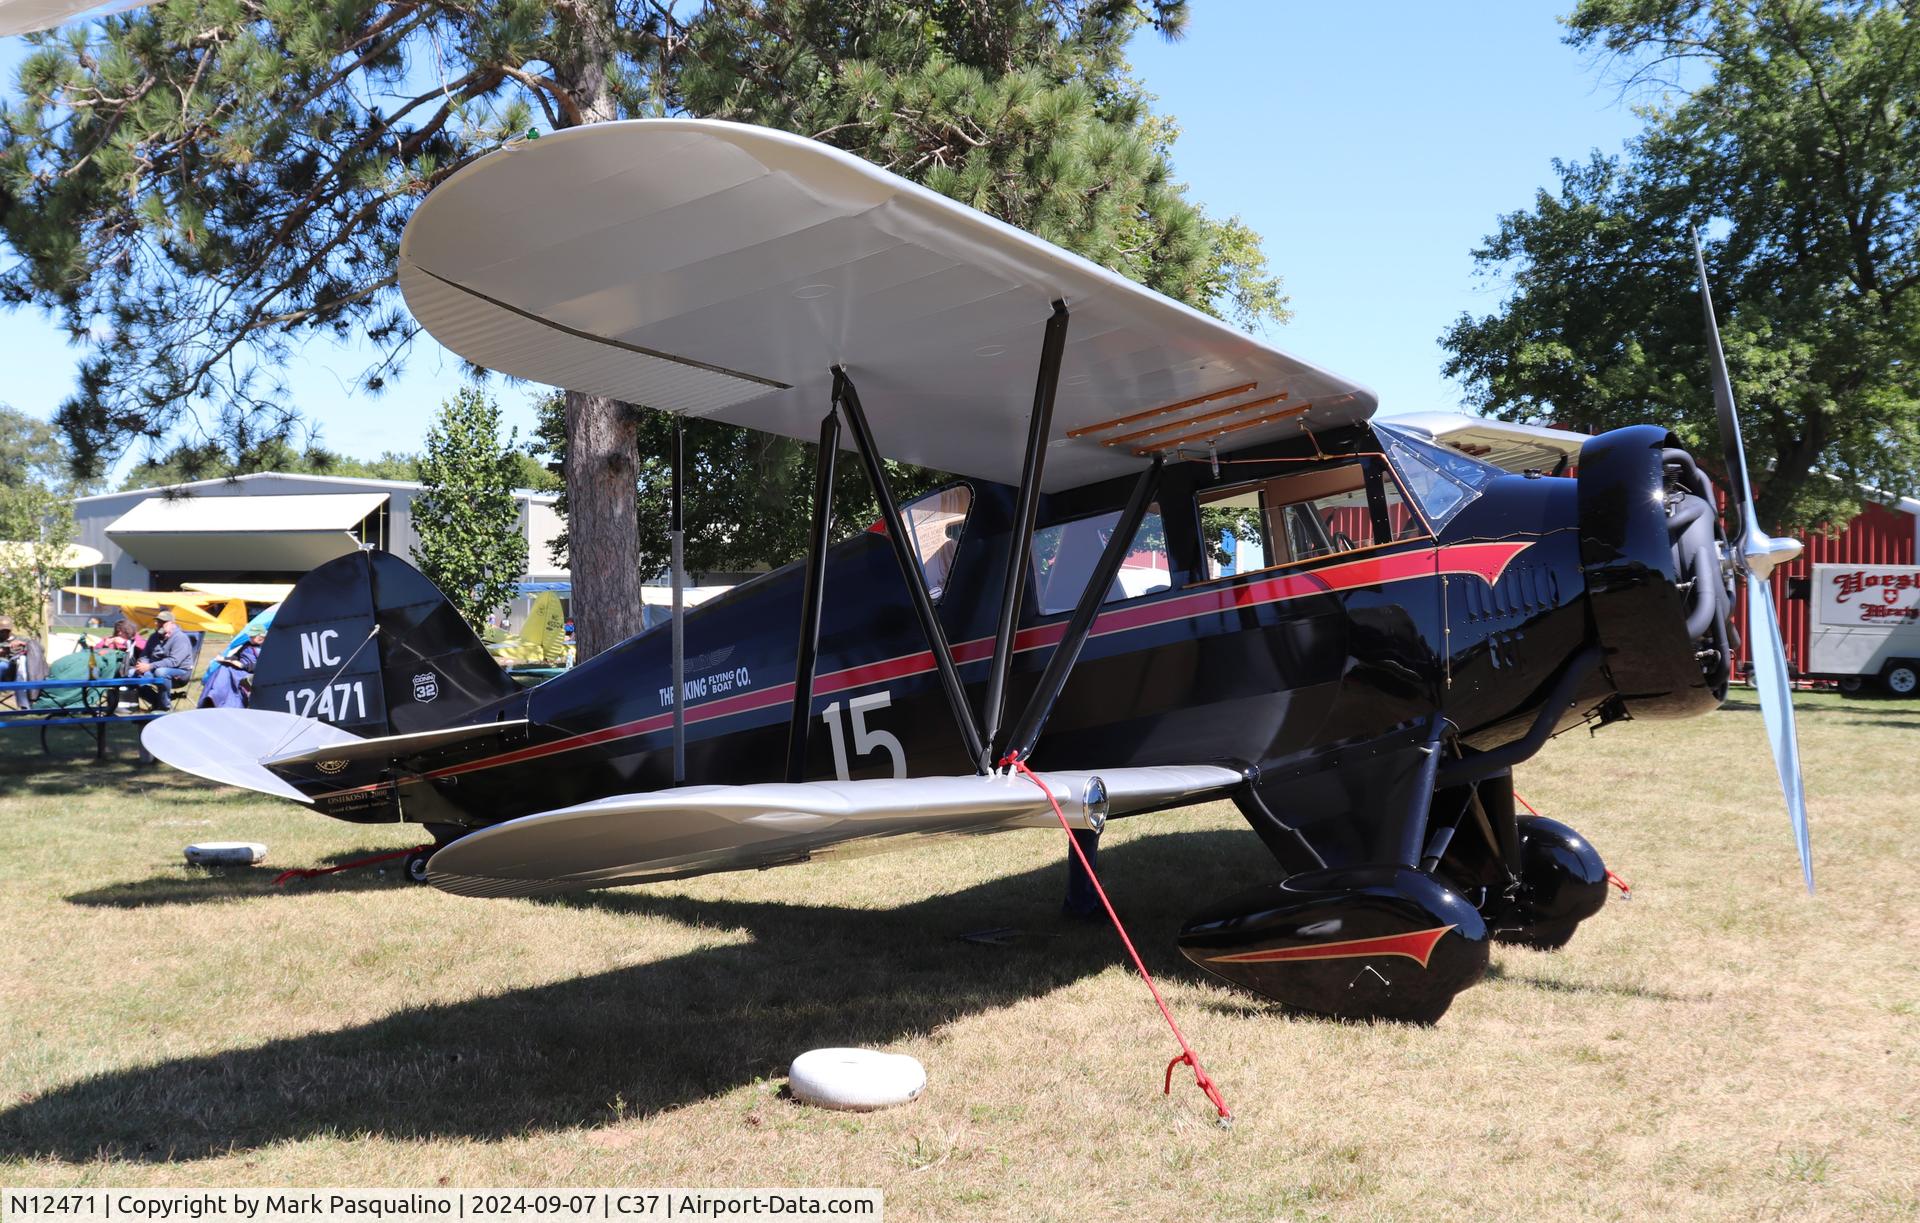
(32, 452)
(1798, 154)
(206, 182)
(36, 518)
(471, 542)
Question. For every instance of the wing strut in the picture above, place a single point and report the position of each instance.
(678, 534)
(1020, 548)
(847, 399)
(1027, 731)
(812, 595)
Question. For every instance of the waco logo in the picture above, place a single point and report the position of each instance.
(426, 686)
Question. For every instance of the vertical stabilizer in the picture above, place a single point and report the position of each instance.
(366, 643)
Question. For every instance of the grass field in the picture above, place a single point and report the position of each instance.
(1722, 1046)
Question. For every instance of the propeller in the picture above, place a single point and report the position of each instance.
(1753, 555)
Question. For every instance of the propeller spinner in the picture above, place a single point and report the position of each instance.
(1753, 556)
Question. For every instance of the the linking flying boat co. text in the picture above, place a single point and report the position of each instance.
(700, 687)
(491, 1205)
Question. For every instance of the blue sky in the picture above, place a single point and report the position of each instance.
(1372, 146)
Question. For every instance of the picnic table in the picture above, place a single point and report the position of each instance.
(97, 709)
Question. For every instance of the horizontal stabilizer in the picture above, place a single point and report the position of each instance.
(391, 747)
(634, 838)
(229, 745)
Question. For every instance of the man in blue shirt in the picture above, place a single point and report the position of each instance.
(167, 653)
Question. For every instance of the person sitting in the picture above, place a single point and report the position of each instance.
(126, 638)
(169, 654)
(229, 682)
(13, 651)
(23, 655)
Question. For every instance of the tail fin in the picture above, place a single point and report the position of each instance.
(366, 643)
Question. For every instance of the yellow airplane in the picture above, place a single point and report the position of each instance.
(251, 592)
(192, 609)
(542, 640)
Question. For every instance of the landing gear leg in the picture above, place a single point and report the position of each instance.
(1533, 879)
(1081, 899)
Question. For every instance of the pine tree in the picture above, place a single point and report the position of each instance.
(201, 184)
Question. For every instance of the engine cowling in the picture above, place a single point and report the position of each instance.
(1650, 547)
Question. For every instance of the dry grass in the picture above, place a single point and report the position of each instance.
(1723, 1046)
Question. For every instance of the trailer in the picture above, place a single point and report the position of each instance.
(1866, 626)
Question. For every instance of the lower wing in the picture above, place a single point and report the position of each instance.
(665, 834)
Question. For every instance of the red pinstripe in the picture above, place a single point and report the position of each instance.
(1484, 560)
(1416, 945)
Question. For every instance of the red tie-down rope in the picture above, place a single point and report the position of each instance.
(1200, 1077)
(1626, 889)
(317, 871)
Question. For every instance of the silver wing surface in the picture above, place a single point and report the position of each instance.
(264, 750)
(719, 270)
(665, 834)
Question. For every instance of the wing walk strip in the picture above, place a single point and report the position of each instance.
(1484, 560)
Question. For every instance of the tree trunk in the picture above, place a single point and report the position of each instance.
(603, 522)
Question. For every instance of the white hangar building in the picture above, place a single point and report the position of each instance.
(266, 527)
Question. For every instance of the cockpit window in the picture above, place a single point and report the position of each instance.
(1442, 482)
(934, 523)
(1066, 554)
(1303, 515)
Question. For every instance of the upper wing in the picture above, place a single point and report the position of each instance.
(26, 16)
(719, 270)
(633, 838)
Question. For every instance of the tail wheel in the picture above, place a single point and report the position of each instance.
(417, 865)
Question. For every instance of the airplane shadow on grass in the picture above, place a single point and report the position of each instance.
(72, 770)
(1861, 711)
(637, 1041)
(203, 885)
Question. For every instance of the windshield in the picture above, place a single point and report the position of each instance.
(1442, 482)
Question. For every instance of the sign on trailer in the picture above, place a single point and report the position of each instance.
(1865, 618)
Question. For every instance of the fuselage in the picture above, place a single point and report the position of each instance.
(1290, 645)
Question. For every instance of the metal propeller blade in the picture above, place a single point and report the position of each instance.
(1754, 556)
